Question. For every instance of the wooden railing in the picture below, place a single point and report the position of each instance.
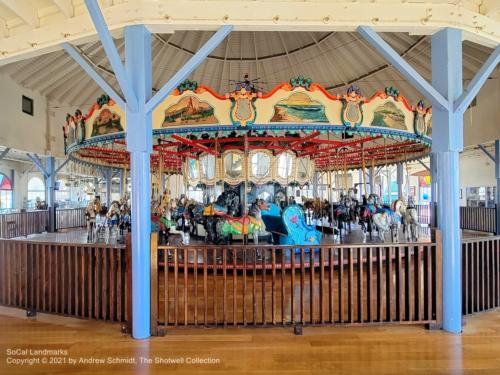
(70, 218)
(480, 274)
(480, 219)
(80, 280)
(275, 285)
(23, 223)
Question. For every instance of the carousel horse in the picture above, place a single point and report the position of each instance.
(255, 211)
(364, 216)
(387, 221)
(344, 213)
(226, 205)
(112, 220)
(91, 211)
(409, 219)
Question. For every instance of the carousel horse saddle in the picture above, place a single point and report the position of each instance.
(214, 209)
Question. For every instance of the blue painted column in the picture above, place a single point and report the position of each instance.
(497, 176)
(51, 192)
(139, 144)
(434, 190)
(399, 178)
(447, 135)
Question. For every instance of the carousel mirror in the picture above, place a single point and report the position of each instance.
(285, 164)
(208, 167)
(260, 164)
(193, 172)
(233, 165)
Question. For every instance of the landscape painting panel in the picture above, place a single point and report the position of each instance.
(189, 111)
(299, 108)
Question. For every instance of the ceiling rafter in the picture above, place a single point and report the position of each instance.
(24, 11)
(66, 7)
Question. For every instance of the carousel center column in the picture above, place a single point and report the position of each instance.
(139, 144)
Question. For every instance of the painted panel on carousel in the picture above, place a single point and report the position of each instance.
(192, 105)
(388, 109)
(299, 108)
(422, 122)
(300, 101)
(352, 111)
(189, 111)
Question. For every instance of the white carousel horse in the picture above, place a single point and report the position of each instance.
(112, 220)
(91, 211)
(387, 221)
(409, 217)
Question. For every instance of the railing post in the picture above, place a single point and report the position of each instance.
(439, 279)
(127, 326)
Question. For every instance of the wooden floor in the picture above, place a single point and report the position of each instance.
(377, 350)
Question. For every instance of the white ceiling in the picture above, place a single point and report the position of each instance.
(333, 59)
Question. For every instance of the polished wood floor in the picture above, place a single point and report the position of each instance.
(356, 350)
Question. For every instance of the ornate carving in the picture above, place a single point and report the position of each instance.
(352, 112)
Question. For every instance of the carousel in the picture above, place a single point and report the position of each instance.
(245, 150)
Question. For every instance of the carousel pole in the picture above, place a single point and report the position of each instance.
(363, 168)
(372, 177)
(400, 179)
(245, 165)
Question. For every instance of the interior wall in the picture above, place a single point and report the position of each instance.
(20, 130)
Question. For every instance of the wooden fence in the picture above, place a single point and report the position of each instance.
(281, 285)
(70, 218)
(80, 280)
(480, 274)
(480, 219)
(23, 223)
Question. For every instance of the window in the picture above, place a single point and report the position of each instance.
(62, 193)
(5, 192)
(36, 189)
(27, 105)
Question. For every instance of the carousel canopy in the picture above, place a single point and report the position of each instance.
(281, 135)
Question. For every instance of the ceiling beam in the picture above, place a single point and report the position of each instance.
(168, 16)
(66, 7)
(24, 11)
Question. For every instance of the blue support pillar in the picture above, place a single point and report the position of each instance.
(497, 176)
(139, 144)
(51, 193)
(399, 178)
(447, 142)
(434, 190)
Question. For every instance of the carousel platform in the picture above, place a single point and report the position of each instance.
(79, 236)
